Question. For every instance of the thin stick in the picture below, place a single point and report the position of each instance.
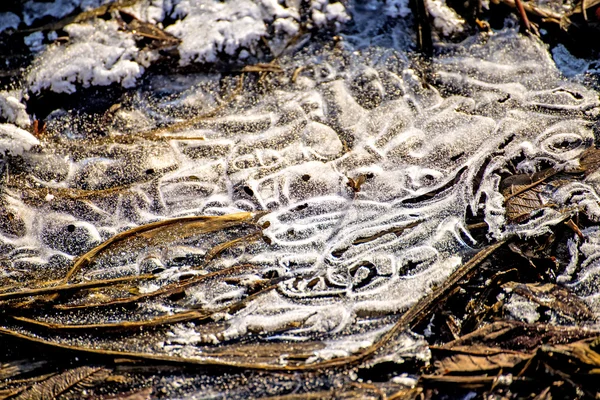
(165, 291)
(72, 287)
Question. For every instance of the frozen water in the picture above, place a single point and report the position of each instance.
(353, 174)
(427, 157)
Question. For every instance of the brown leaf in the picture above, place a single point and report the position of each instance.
(522, 193)
(57, 385)
(478, 359)
(144, 394)
(557, 298)
(589, 162)
(18, 367)
(521, 336)
(582, 352)
(148, 30)
(356, 183)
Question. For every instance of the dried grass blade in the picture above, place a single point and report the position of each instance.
(72, 287)
(165, 230)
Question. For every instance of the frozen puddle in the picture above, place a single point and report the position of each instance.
(345, 186)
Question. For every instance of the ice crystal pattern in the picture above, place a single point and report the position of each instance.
(359, 173)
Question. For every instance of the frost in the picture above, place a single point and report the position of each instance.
(445, 19)
(15, 141)
(569, 65)
(9, 20)
(226, 27)
(99, 54)
(12, 109)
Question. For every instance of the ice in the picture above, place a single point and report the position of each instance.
(361, 168)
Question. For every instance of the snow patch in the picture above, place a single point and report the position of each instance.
(12, 110)
(15, 141)
(445, 19)
(9, 20)
(569, 65)
(98, 54)
(209, 28)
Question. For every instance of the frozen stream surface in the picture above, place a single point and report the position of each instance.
(348, 179)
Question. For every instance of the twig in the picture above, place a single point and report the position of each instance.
(70, 287)
(523, 15)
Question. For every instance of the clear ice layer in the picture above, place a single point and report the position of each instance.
(350, 176)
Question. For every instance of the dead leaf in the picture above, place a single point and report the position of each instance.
(144, 394)
(147, 30)
(75, 379)
(523, 193)
(589, 162)
(558, 299)
(263, 67)
(356, 183)
(521, 336)
(477, 359)
(582, 353)
(18, 367)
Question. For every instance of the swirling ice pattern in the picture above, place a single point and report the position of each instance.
(428, 153)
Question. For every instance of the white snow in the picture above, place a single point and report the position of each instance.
(98, 54)
(12, 110)
(9, 20)
(208, 28)
(234, 28)
(34, 42)
(445, 19)
(15, 141)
